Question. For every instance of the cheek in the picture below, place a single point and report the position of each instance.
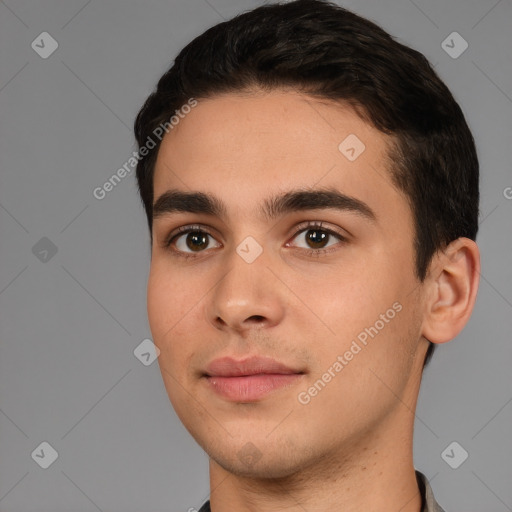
(376, 360)
(171, 316)
(371, 305)
(159, 293)
(172, 303)
(345, 300)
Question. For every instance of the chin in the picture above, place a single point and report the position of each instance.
(261, 470)
(260, 460)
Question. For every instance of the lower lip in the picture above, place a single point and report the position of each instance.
(251, 387)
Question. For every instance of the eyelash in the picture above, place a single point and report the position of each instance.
(305, 226)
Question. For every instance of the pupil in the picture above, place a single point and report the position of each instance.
(317, 238)
(197, 240)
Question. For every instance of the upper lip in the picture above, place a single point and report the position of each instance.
(230, 367)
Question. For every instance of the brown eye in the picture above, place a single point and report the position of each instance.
(196, 240)
(192, 241)
(317, 238)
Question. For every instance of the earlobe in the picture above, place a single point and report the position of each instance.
(451, 290)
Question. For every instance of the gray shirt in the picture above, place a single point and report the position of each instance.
(429, 504)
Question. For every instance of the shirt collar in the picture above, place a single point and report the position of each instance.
(427, 495)
(429, 504)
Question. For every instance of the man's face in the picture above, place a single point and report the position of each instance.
(304, 301)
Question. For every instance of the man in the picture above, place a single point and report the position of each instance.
(311, 190)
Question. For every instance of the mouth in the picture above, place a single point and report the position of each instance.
(250, 379)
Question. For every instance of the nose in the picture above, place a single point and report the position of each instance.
(247, 296)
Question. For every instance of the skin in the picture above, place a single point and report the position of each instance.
(350, 447)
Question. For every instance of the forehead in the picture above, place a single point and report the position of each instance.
(243, 146)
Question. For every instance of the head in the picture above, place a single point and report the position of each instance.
(266, 107)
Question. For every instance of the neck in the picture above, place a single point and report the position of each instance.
(375, 475)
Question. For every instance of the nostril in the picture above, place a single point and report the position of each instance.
(220, 321)
(257, 318)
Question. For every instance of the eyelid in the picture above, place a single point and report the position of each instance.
(182, 230)
(304, 226)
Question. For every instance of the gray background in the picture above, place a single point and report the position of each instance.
(70, 324)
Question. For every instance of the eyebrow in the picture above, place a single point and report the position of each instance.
(173, 201)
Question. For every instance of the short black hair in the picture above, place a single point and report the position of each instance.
(321, 49)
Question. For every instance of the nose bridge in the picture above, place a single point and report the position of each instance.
(247, 293)
(241, 286)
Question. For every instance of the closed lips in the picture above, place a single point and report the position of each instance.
(230, 367)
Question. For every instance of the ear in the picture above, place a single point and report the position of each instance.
(451, 289)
